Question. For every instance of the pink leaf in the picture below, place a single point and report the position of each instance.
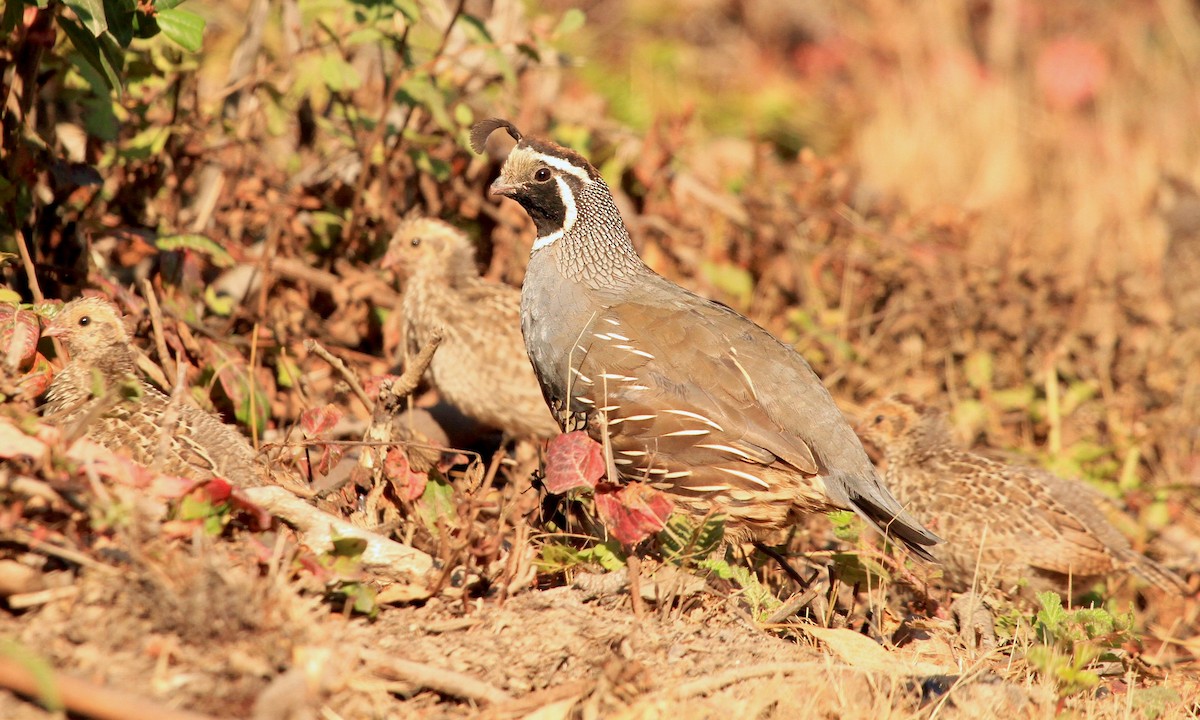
(316, 421)
(634, 512)
(573, 460)
(1070, 72)
(409, 483)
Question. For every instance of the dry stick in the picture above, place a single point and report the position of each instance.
(336, 363)
(442, 680)
(87, 699)
(156, 325)
(30, 273)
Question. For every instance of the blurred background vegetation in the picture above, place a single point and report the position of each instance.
(966, 202)
(973, 203)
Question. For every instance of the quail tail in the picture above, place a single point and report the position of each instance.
(895, 522)
(1155, 574)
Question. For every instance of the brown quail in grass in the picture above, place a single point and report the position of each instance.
(480, 366)
(1004, 525)
(684, 394)
(99, 393)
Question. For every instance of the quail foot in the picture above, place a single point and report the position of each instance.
(685, 394)
(99, 388)
(1003, 525)
(481, 366)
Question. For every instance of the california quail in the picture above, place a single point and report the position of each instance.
(1031, 525)
(481, 366)
(100, 389)
(684, 393)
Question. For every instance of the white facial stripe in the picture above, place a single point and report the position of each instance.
(564, 165)
(570, 215)
(546, 241)
(568, 200)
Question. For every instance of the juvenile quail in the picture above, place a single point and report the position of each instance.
(684, 393)
(480, 366)
(1002, 524)
(99, 388)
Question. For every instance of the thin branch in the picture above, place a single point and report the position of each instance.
(84, 698)
(347, 374)
(30, 273)
(442, 680)
(156, 325)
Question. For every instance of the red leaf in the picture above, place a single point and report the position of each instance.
(38, 379)
(330, 455)
(634, 512)
(409, 484)
(371, 384)
(319, 420)
(573, 460)
(18, 335)
(218, 490)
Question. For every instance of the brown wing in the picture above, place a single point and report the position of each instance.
(703, 433)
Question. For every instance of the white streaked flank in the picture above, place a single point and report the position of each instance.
(745, 476)
(729, 449)
(685, 433)
(696, 416)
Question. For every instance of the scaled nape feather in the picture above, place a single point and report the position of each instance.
(1004, 525)
(685, 394)
(99, 393)
(481, 366)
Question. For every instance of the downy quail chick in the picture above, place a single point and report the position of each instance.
(684, 393)
(100, 388)
(481, 366)
(1031, 525)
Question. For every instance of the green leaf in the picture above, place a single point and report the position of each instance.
(571, 21)
(338, 74)
(352, 547)
(185, 29)
(120, 16)
(91, 14)
(222, 305)
(437, 502)
(682, 539)
(12, 15)
(198, 243)
(88, 49)
(606, 555)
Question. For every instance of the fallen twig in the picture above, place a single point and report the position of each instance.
(80, 697)
(442, 680)
(319, 529)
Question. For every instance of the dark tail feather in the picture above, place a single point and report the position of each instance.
(1155, 574)
(900, 527)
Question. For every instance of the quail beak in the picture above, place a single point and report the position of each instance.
(54, 331)
(500, 187)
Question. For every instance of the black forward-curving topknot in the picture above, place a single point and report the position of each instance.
(483, 129)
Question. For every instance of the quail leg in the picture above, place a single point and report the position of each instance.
(976, 625)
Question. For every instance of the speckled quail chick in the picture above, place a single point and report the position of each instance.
(683, 393)
(99, 388)
(480, 366)
(1003, 525)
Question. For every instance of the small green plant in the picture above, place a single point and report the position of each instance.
(1068, 642)
(346, 586)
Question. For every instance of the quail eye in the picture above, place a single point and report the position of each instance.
(416, 242)
(542, 174)
(84, 321)
(878, 419)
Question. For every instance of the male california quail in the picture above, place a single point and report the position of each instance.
(100, 389)
(1030, 524)
(480, 366)
(683, 393)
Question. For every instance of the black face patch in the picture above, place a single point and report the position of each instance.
(545, 206)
